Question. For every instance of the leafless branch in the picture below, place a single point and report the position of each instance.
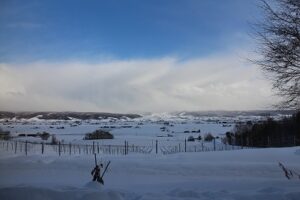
(279, 44)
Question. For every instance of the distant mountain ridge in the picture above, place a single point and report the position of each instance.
(64, 115)
(265, 113)
(170, 115)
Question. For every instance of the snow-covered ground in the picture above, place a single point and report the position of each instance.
(239, 174)
(142, 131)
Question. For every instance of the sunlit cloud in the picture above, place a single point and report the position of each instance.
(155, 85)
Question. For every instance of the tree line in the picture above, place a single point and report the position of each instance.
(269, 133)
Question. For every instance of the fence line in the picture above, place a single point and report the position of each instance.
(202, 147)
(27, 147)
(160, 147)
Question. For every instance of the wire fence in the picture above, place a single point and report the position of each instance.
(160, 147)
(28, 147)
(200, 146)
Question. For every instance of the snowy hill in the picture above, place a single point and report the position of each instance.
(64, 115)
(147, 116)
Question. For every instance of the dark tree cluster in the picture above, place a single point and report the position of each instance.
(269, 133)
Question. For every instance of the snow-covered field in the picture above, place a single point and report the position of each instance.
(162, 127)
(239, 174)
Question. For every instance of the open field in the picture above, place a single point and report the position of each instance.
(174, 171)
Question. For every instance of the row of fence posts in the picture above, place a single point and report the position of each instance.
(197, 148)
(67, 148)
(185, 146)
(96, 148)
(15, 147)
(18, 146)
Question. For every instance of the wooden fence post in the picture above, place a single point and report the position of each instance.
(214, 144)
(125, 148)
(156, 147)
(70, 148)
(59, 148)
(26, 148)
(42, 147)
(16, 147)
(93, 147)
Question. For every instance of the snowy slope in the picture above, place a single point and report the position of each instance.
(240, 174)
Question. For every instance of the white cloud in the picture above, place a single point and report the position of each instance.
(167, 84)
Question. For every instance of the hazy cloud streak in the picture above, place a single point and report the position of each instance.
(166, 84)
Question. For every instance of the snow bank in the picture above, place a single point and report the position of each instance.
(35, 193)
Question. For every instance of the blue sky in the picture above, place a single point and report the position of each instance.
(92, 30)
(129, 56)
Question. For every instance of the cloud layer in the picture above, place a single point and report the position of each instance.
(154, 85)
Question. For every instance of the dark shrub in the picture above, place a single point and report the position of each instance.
(191, 139)
(208, 137)
(229, 138)
(199, 137)
(44, 135)
(5, 135)
(54, 140)
(98, 135)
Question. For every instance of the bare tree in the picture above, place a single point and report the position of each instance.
(279, 46)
